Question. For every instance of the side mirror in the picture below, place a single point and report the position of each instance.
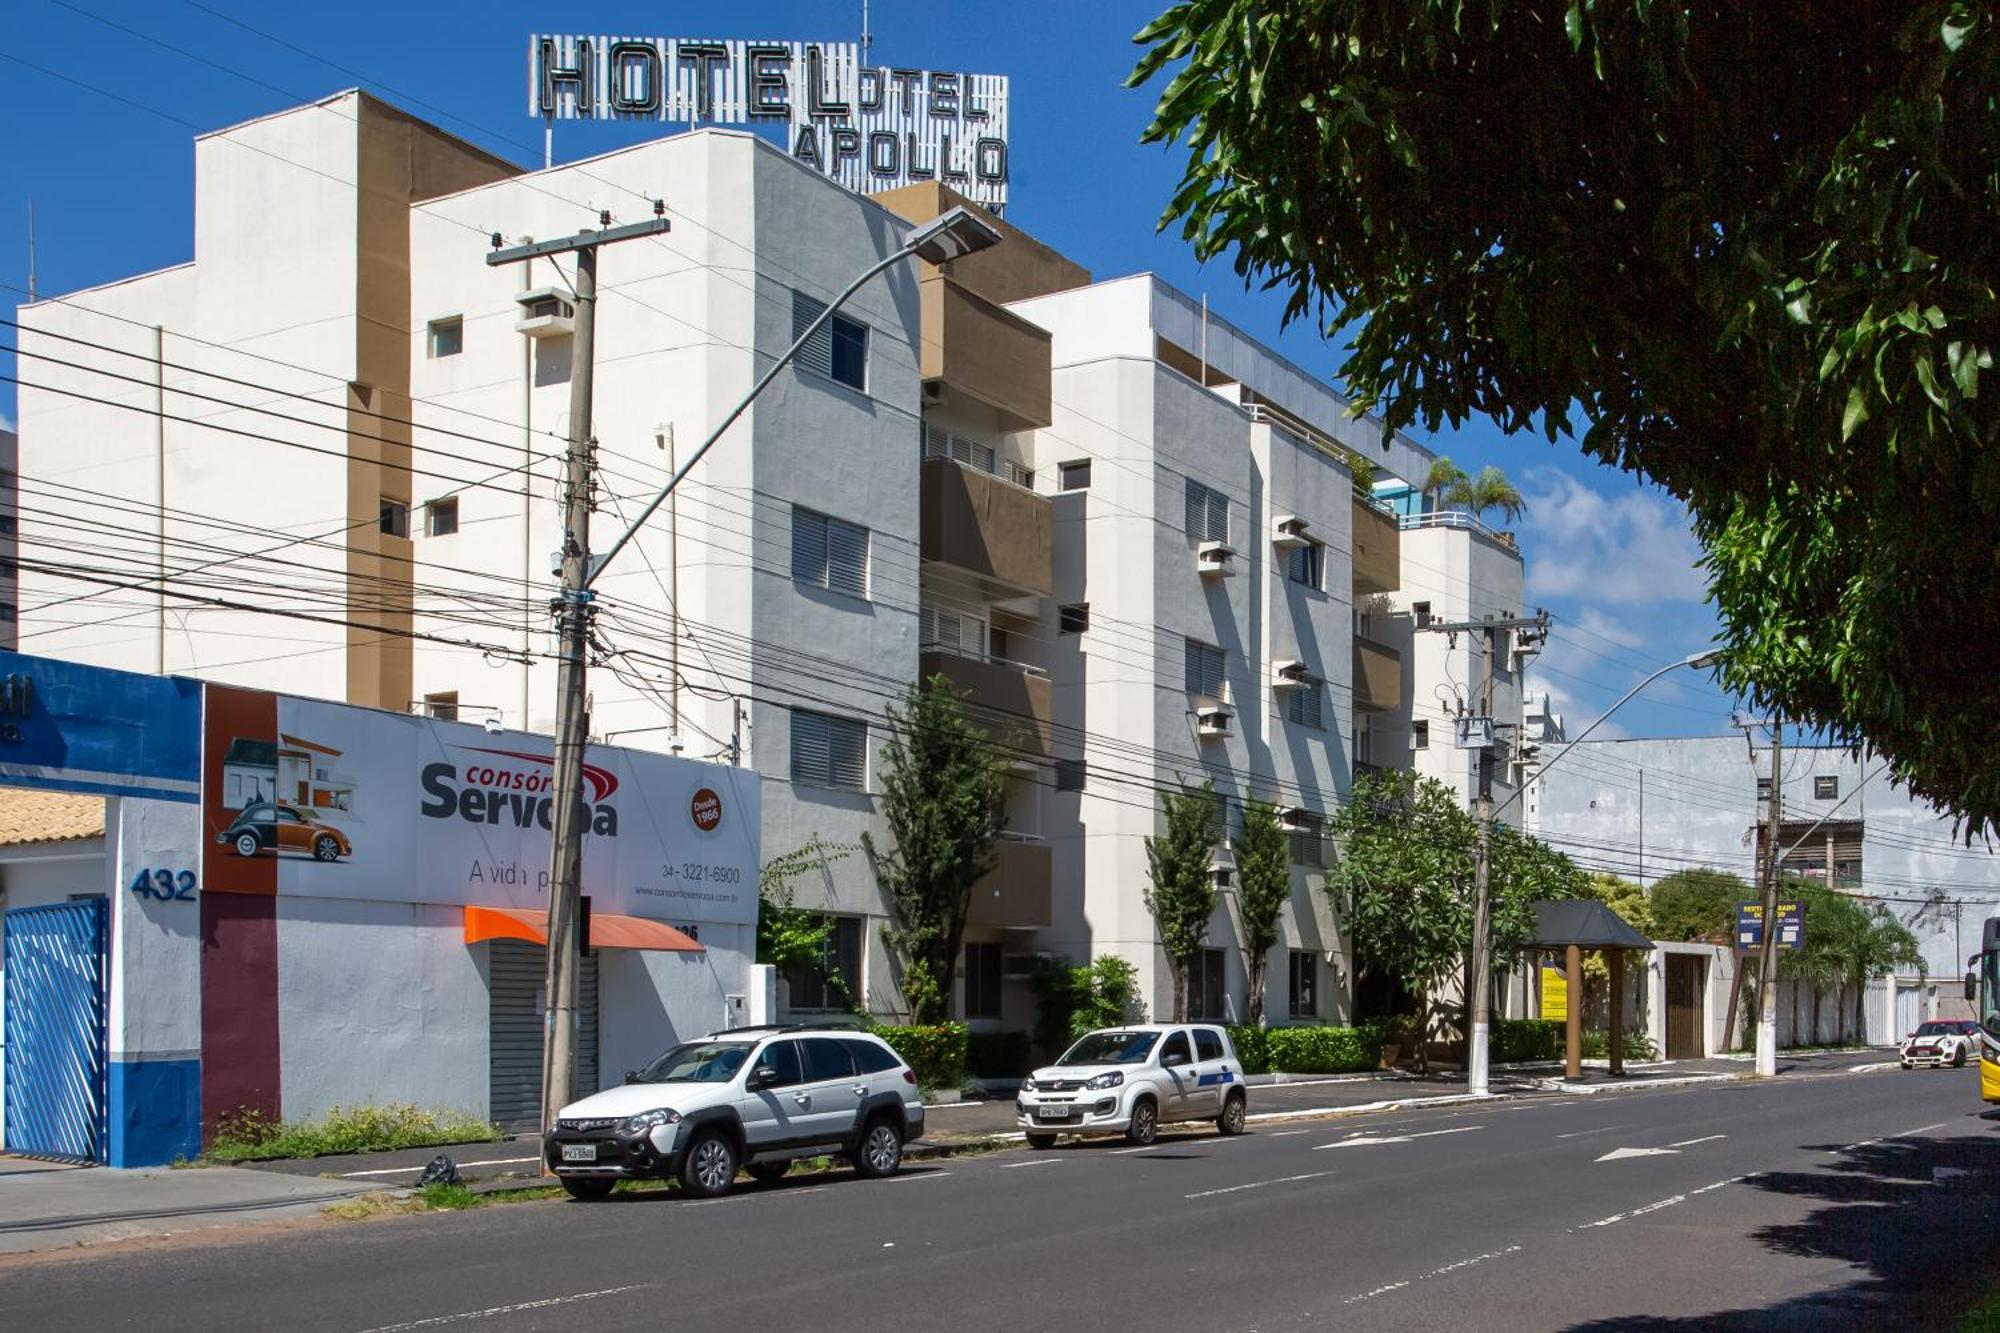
(631, 1076)
(760, 1077)
(1172, 1060)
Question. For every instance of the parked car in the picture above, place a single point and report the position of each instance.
(1942, 1041)
(275, 826)
(1131, 1080)
(757, 1098)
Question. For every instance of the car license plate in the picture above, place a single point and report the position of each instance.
(1054, 1113)
(579, 1152)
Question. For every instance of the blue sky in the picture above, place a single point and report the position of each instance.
(109, 168)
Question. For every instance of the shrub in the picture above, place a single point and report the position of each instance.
(245, 1135)
(996, 1054)
(936, 1054)
(1317, 1050)
(1638, 1046)
(1071, 1001)
(1515, 1040)
(1252, 1048)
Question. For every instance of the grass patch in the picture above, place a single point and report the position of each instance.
(247, 1136)
(441, 1197)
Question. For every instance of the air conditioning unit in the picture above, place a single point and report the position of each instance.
(1222, 867)
(1023, 965)
(545, 313)
(1215, 559)
(1213, 719)
(1291, 674)
(1290, 532)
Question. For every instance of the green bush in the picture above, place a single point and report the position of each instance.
(1252, 1048)
(246, 1135)
(1638, 1046)
(1317, 1050)
(1070, 1001)
(1517, 1040)
(935, 1054)
(996, 1054)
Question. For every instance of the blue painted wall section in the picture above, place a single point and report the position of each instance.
(155, 1112)
(65, 726)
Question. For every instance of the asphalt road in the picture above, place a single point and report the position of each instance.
(1813, 1202)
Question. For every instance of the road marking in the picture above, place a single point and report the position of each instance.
(1689, 1143)
(1259, 1184)
(503, 1309)
(1369, 1140)
(1039, 1161)
(1288, 1133)
(1924, 1129)
(928, 1175)
(406, 1170)
(1585, 1133)
(1656, 1206)
(1445, 1271)
(1620, 1154)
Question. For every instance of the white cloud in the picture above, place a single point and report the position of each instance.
(1627, 547)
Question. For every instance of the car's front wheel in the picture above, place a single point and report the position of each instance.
(710, 1166)
(325, 848)
(246, 844)
(881, 1151)
(1041, 1142)
(589, 1189)
(1958, 1061)
(1235, 1117)
(1145, 1126)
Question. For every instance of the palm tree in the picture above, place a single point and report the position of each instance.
(1489, 490)
(1886, 947)
(1443, 477)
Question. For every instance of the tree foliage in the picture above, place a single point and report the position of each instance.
(787, 935)
(1698, 904)
(1264, 886)
(1180, 891)
(1743, 250)
(1847, 944)
(944, 798)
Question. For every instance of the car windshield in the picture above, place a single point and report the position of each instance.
(1111, 1048)
(697, 1062)
(1937, 1029)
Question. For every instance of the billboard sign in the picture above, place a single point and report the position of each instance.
(870, 129)
(314, 799)
(1791, 925)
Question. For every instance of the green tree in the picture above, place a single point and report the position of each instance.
(1489, 490)
(1628, 899)
(944, 798)
(1264, 886)
(1444, 477)
(1698, 904)
(789, 936)
(1180, 890)
(1657, 228)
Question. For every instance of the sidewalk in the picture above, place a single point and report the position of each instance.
(45, 1204)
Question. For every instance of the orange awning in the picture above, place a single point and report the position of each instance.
(607, 931)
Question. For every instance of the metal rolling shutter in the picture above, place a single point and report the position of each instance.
(514, 1079)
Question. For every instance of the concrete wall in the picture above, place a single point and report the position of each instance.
(154, 1079)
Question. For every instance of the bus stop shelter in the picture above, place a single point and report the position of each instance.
(1571, 926)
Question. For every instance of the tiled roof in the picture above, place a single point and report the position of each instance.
(48, 816)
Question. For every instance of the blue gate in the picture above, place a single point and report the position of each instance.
(55, 960)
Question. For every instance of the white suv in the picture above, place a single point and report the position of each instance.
(752, 1097)
(1131, 1080)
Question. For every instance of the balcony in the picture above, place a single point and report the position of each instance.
(1378, 676)
(1007, 697)
(985, 352)
(1016, 895)
(1378, 556)
(986, 526)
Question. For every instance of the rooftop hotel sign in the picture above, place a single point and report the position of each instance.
(869, 129)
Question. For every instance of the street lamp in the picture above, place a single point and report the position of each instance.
(1476, 1055)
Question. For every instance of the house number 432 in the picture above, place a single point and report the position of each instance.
(165, 885)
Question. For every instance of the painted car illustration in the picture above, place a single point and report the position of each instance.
(277, 827)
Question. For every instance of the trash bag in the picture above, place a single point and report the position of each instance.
(441, 1170)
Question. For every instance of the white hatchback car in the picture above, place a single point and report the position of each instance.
(753, 1097)
(1941, 1041)
(1131, 1080)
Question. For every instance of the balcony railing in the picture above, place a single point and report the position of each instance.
(1455, 518)
(1010, 699)
(964, 450)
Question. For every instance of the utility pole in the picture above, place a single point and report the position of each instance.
(1767, 980)
(1479, 981)
(572, 609)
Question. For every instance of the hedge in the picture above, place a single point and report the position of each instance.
(1324, 1050)
(935, 1054)
(1252, 1048)
(996, 1054)
(1514, 1040)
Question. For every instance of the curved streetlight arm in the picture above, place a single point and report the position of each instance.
(1696, 660)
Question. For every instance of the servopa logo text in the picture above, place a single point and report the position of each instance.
(517, 793)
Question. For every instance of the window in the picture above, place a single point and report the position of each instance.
(1070, 774)
(447, 337)
(1421, 613)
(826, 1059)
(1207, 513)
(834, 981)
(1304, 984)
(1073, 619)
(781, 1058)
(868, 1057)
(1204, 669)
(441, 516)
(950, 629)
(1306, 564)
(1503, 641)
(1205, 997)
(829, 553)
(1218, 820)
(829, 751)
(9, 525)
(1826, 788)
(1175, 1049)
(395, 517)
(1302, 705)
(1207, 1044)
(1309, 842)
(838, 350)
(1074, 475)
(443, 707)
(982, 981)
(1420, 735)
(9, 613)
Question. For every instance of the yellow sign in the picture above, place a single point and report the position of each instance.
(1555, 993)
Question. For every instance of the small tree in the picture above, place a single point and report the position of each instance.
(1628, 899)
(1489, 490)
(789, 936)
(1264, 885)
(944, 797)
(1697, 905)
(1443, 477)
(1180, 891)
